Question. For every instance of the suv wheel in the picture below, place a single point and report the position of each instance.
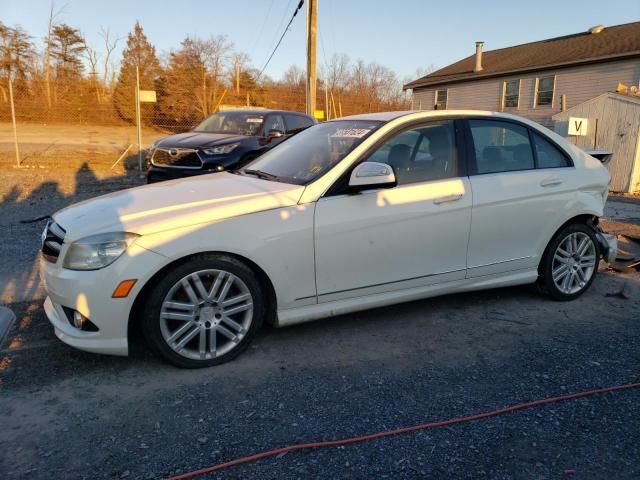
(204, 311)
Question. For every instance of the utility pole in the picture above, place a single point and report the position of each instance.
(237, 74)
(13, 120)
(326, 101)
(312, 27)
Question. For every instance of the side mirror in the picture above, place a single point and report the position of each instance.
(275, 134)
(372, 175)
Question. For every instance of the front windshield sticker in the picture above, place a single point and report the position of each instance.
(254, 120)
(350, 132)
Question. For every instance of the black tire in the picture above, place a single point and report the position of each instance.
(546, 283)
(151, 322)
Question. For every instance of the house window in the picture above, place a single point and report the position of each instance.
(544, 93)
(511, 93)
(441, 99)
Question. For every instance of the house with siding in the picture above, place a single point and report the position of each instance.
(540, 79)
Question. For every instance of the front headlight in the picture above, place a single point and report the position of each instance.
(97, 251)
(221, 149)
(151, 149)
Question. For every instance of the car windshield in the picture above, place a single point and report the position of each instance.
(311, 153)
(236, 123)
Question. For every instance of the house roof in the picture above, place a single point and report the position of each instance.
(612, 43)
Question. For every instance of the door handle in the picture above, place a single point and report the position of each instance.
(449, 198)
(550, 182)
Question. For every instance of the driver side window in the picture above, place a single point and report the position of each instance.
(421, 154)
(274, 122)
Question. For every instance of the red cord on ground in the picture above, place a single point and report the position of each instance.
(423, 426)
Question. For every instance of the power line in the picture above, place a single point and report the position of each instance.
(281, 37)
(278, 28)
(324, 54)
(264, 22)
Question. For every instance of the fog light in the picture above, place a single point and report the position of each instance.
(79, 320)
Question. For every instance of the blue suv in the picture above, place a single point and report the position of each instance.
(227, 140)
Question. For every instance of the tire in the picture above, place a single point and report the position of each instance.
(185, 320)
(570, 263)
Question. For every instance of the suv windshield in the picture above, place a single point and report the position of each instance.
(235, 123)
(312, 152)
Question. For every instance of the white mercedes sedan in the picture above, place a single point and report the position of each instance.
(350, 214)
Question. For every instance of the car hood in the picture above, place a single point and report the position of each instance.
(196, 139)
(175, 204)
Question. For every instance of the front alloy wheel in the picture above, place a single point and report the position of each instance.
(204, 312)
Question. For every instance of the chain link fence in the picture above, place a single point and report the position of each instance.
(66, 127)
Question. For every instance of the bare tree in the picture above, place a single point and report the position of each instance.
(337, 72)
(216, 55)
(53, 14)
(251, 82)
(294, 77)
(194, 76)
(93, 57)
(108, 73)
(424, 71)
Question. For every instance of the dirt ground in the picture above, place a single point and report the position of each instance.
(69, 146)
(69, 414)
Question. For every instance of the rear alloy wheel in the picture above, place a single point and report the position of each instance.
(200, 317)
(570, 263)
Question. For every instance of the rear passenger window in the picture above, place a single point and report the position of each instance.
(295, 123)
(548, 155)
(500, 146)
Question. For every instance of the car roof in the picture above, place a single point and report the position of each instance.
(379, 116)
(263, 111)
(419, 114)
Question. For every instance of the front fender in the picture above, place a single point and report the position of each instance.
(279, 241)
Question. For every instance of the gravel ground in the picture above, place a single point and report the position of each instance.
(69, 414)
(30, 193)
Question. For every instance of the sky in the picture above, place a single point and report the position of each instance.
(403, 35)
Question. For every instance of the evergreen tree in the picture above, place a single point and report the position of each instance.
(251, 90)
(184, 79)
(67, 47)
(16, 52)
(138, 52)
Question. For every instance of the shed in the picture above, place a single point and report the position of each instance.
(613, 123)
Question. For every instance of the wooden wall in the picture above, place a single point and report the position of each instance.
(614, 125)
